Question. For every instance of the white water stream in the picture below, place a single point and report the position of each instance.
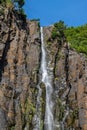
(47, 79)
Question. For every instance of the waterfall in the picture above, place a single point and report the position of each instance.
(47, 80)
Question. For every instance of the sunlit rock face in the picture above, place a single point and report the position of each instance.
(19, 64)
(70, 75)
(20, 60)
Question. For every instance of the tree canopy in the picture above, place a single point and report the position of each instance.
(77, 37)
(18, 4)
(58, 31)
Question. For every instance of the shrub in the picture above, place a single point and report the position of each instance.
(58, 31)
(77, 37)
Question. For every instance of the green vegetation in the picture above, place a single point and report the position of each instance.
(72, 117)
(58, 31)
(37, 19)
(61, 108)
(13, 127)
(14, 4)
(6, 3)
(77, 37)
(18, 3)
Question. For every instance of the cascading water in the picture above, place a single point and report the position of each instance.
(47, 80)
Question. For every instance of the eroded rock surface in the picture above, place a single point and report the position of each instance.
(19, 66)
(70, 85)
(19, 72)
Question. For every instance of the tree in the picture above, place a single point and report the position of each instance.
(58, 31)
(77, 37)
(60, 26)
(18, 3)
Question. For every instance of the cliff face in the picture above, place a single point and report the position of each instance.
(19, 64)
(19, 72)
(70, 85)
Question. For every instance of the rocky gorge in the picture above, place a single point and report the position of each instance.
(20, 60)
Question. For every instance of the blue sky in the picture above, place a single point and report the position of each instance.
(72, 12)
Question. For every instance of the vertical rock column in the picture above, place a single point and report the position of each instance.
(19, 64)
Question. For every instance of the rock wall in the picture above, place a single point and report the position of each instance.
(70, 85)
(19, 72)
(19, 67)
